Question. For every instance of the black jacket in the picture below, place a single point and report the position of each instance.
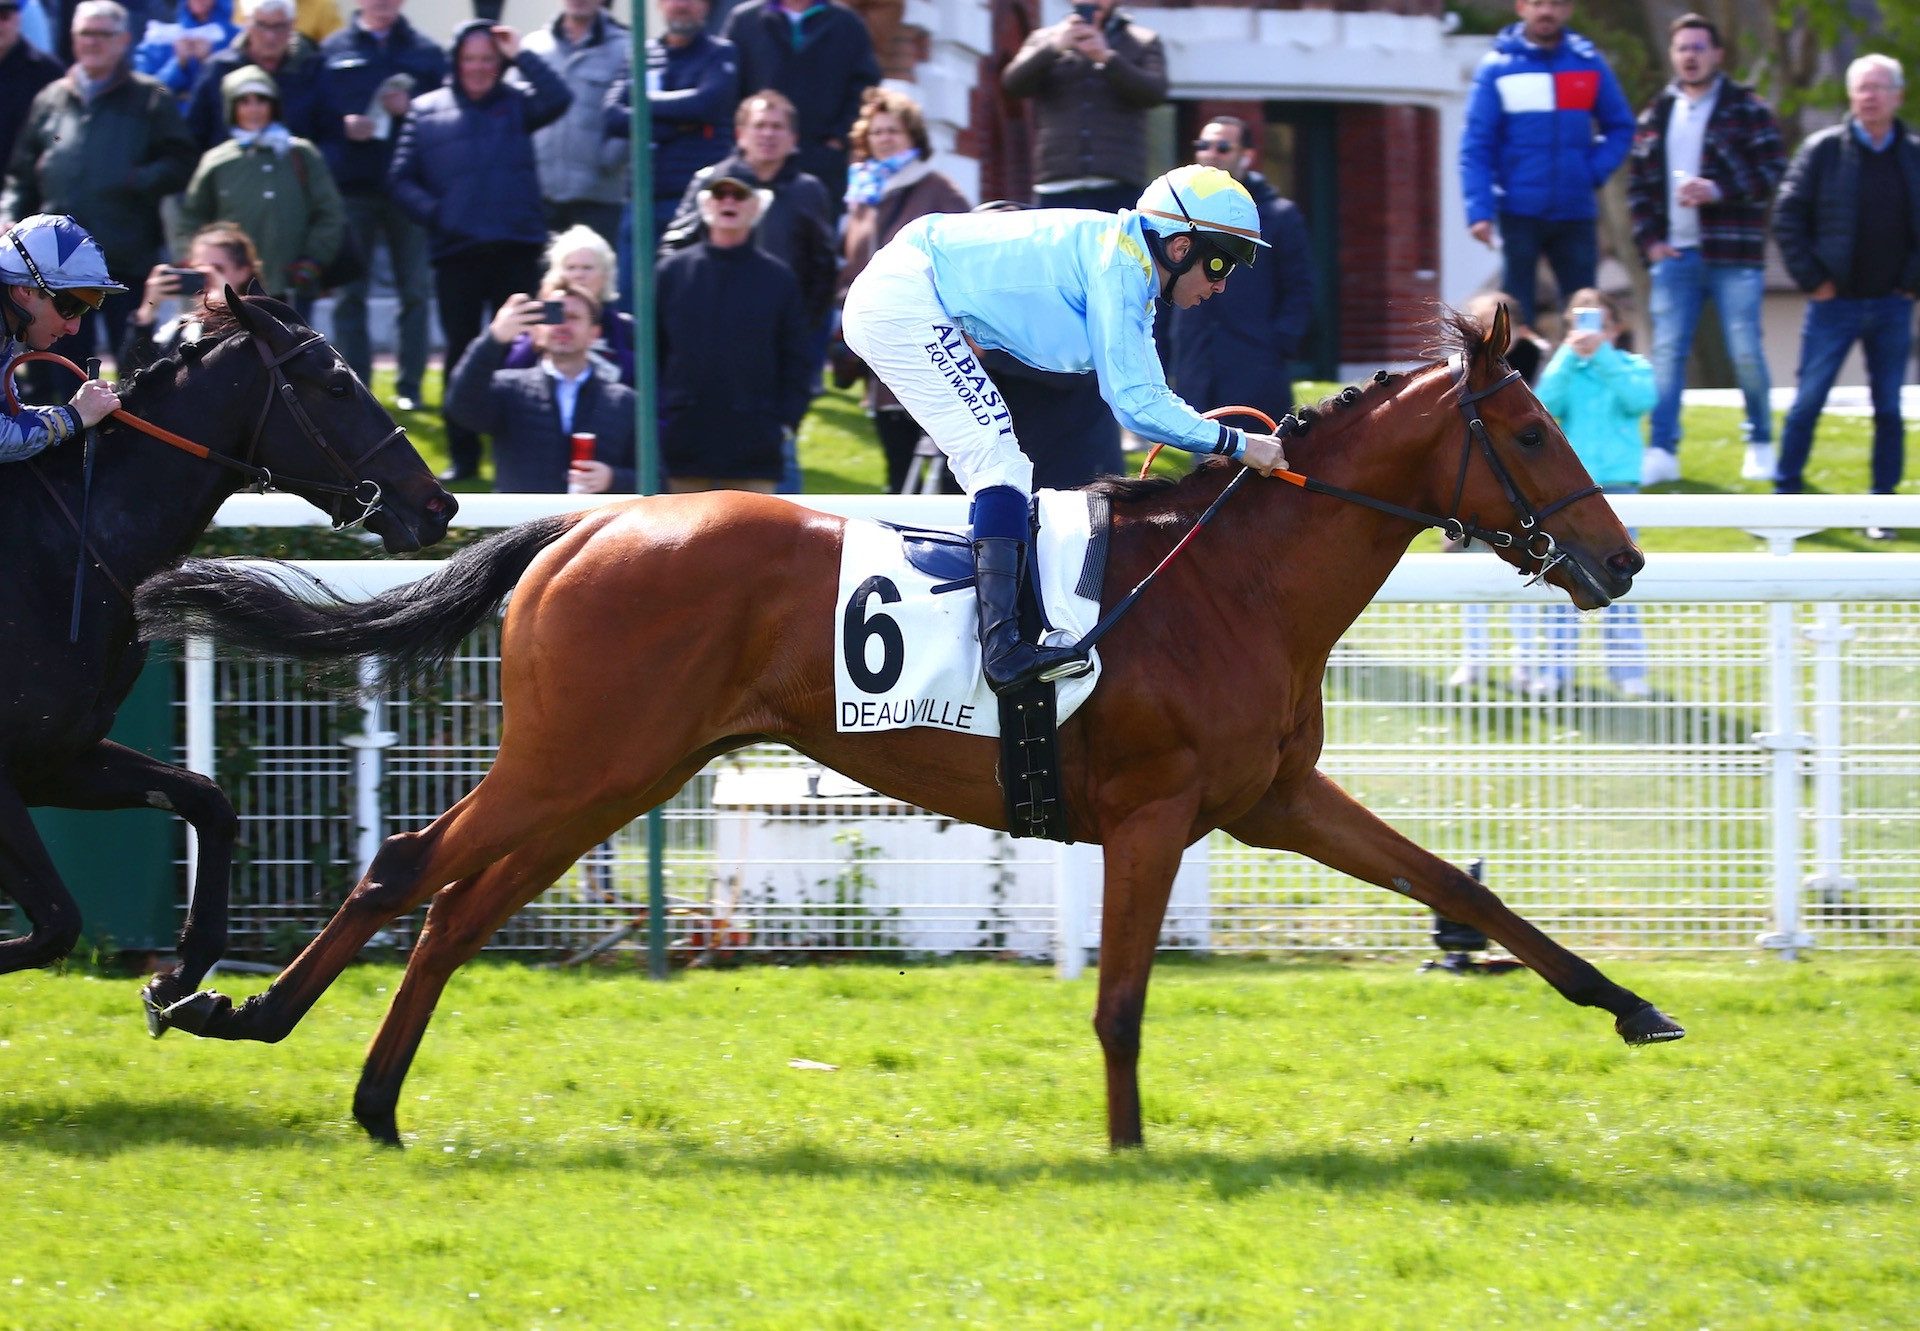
(1817, 209)
(797, 228)
(354, 63)
(732, 360)
(298, 79)
(824, 73)
(1236, 349)
(25, 71)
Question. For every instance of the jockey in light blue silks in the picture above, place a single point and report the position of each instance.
(51, 273)
(1060, 289)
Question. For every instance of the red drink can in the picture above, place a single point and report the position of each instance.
(583, 447)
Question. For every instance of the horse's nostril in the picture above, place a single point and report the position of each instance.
(1627, 562)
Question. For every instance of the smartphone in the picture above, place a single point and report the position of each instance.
(188, 281)
(553, 311)
(1086, 13)
(1589, 319)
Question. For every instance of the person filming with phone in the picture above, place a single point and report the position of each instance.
(221, 255)
(1601, 394)
(565, 424)
(51, 273)
(1093, 77)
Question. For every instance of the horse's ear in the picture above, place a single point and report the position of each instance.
(242, 314)
(1500, 336)
(253, 286)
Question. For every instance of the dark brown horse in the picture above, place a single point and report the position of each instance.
(260, 398)
(644, 639)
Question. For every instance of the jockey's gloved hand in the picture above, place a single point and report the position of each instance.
(1265, 454)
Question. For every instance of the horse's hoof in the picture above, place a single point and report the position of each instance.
(1647, 1024)
(383, 1128)
(194, 1014)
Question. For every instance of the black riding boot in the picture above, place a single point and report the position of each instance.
(998, 565)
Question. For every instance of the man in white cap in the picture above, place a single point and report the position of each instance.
(51, 273)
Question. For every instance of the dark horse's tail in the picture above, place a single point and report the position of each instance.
(411, 630)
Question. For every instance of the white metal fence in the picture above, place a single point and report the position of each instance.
(1767, 787)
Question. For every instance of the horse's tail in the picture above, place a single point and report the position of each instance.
(411, 630)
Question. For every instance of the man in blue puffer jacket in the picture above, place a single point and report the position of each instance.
(1547, 124)
(464, 169)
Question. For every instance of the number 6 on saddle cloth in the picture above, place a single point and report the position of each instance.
(907, 652)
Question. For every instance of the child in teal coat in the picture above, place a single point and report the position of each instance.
(1600, 395)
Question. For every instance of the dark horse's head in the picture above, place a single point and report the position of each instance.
(323, 436)
(1520, 476)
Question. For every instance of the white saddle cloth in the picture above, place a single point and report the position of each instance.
(913, 639)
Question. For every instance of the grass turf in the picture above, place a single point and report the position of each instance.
(1328, 1146)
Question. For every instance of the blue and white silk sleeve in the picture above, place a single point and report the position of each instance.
(35, 429)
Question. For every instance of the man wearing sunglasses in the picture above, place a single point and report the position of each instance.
(51, 273)
(1238, 350)
(1061, 289)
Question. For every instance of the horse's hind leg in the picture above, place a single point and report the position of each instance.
(460, 921)
(112, 776)
(1319, 819)
(27, 874)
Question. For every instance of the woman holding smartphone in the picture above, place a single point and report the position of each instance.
(1601, 394)
(221, 255)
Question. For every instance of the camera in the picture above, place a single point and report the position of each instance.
(1086, 13)
(187, 281)
(553, 311)
(1589, 319)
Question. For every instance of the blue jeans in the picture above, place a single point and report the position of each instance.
(1884, 328)
(1569, 247)
(1680, 287)
(1549, 635)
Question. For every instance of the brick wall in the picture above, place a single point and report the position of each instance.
(1389, 231)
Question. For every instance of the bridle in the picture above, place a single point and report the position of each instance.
(1535, 542)
(357, 492)
(364, 492)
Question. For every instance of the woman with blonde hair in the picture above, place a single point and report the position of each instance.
(889, 185)
(580, 257)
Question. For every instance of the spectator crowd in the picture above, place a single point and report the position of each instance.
(485, 184)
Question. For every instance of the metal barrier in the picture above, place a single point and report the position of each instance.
(1781, 730)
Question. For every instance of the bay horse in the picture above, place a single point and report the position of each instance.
(646, 638)
(266, 400)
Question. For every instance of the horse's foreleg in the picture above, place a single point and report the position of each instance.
(112, 776)
(27, 874)
(400, 878)
(1318, 819)
(1142, 856)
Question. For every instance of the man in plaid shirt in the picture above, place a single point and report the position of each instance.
(1706, 157)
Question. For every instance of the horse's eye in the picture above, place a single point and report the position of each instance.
(337, 386)
(1531, 437)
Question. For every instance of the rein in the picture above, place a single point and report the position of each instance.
(1537, 543)
(364, 493)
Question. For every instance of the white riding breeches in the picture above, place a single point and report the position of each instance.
(894, 322)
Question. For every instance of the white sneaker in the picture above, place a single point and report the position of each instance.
(1658, 466)
(1466, 675)
(1634, 687)
(1759, 463)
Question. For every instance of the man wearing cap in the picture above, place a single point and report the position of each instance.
(270, 43)
(1061, 289)
(102, 145)
(51, 272)
(731, 347)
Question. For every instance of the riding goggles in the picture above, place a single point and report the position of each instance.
(69, 302)
(1221, 253)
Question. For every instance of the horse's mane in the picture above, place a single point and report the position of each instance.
(1455, 334)
(216, 327)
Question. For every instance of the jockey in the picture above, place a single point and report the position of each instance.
(51, 273)
(1060, 289)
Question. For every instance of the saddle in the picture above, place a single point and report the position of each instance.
(1029, 766)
